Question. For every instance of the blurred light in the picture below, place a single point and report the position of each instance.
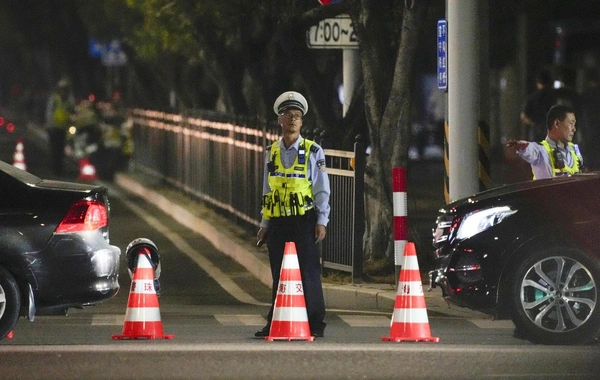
(72, 130)
(91, 97)
(557, 84)
(341, 93)
(1, 121)
(10, 127)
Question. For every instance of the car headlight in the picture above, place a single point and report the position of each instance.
(480, 220)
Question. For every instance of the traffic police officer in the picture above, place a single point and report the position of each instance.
(295, 206)
(556, 155)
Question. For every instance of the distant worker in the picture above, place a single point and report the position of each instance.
(295, 206)
(556, 155)
(533, 115)
(59, 108)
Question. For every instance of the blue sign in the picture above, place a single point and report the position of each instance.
(442, 54)
(95, 48)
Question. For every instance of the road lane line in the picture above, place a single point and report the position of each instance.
(237, 319)
(491, 324)
(212, 270)
(366, 320)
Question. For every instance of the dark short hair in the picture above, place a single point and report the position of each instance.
(559, 112)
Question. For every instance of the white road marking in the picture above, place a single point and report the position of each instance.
(237, 319)
(366, 320)
(212, 270)
(491, 324)
(107, 320)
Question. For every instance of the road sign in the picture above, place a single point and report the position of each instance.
(332, 33)
(442, 54)
(113, 55)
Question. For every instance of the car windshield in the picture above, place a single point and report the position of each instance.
(19, 174)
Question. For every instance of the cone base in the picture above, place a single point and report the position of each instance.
(134, 337)
(289, 339)
(143, 330)
(409, 339)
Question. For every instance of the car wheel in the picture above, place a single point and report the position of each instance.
(555, 297)
(10, 302)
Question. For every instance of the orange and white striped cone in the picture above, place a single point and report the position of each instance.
(19, 156)
(87, 170)
(142, 318)
(290, 319)
(410, 321)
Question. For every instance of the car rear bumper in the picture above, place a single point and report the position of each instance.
(75, 270)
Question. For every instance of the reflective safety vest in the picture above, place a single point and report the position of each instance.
(576, 168)
(291, 191)
(60, 114)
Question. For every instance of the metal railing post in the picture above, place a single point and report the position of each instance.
(359, 210)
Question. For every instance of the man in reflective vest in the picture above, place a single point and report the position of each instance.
(556, 155)
(295, 206)
(59, 108)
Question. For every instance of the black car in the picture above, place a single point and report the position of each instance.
(54, 247)
(528, 251)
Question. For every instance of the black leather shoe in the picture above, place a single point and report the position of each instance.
(318, 332)
(262, 333)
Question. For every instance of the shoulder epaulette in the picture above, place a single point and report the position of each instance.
(314, 148)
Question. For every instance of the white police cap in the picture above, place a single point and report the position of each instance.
(289, 100)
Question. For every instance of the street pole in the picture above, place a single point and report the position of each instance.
(463, 91)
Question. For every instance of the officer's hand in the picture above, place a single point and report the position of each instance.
(260, 236)
(320, 232)
(519, 144)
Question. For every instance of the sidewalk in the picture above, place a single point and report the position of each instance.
(234, 242)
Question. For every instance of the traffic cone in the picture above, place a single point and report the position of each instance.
(410, 321)
(290, 319)
(142, 318)
(9, 335)
(87, 171)
(19, 156)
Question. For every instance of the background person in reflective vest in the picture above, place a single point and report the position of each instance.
(295, 206)
(59, 109)
(556, 155)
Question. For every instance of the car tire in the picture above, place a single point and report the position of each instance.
(10, 302)
(549, 314)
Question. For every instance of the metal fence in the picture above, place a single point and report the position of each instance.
(221, 163)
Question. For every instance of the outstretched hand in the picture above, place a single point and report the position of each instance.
(519, 144)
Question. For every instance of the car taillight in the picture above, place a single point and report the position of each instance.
(84, 216)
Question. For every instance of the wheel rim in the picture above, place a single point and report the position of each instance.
(558, 294)
(2, 301)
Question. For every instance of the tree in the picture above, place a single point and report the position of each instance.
(387, 65)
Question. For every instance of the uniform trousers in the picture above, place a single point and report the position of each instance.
(58, 138)
(301, 231)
